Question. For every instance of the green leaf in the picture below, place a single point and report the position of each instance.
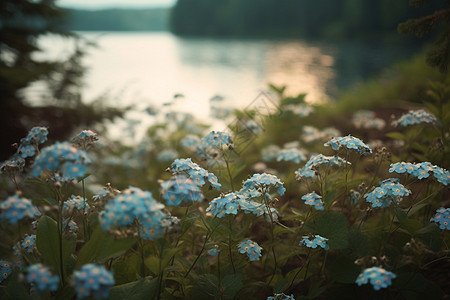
(416, 286)
(431, 107)
(49, 245)
(283, 283)
(145, 288)
(152, 263)
(416, 208)
(231, 285)
(343, 270)
(330, 196)
(205, 287)
(101, 247)
(359, 243)
(400, 214)
(168, 254)
(411, 225)
(333, 226)
(396, 135)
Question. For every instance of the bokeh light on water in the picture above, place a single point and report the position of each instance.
(146, 69)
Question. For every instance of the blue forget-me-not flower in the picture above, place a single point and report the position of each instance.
(422, 170)
(415, 117)
(389, 190)
(135, 204)
(252, 249)
(16, 208)
(378, 278)
(42, 278)
(314, 200)
(442, 218)
(93, 280)
(349, 142)
(281, 296)
(195, 172)
(5, 270)
(180, 188)
(313, 241)
(63, 157)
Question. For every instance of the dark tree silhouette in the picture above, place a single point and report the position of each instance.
(439, 56)
(22, 23)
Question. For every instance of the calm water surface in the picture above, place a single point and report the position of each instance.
(148, 69)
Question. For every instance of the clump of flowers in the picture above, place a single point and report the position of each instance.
(76, 202)
(313, 241)
(367, 119)
(190, 141)
(422, 170)
(294, 155)
(300, 110)
(310, 168)
(225, 205)
(415, 117)
(349, 142)
(72, 162)
(214, 250)
(311, 134)
(166, 155)
(93, 280)
(442, 218)
(314, 200)
(215, 139)
(28, 145)
(378, 278)
(281, 296)
(29, 243)
(5, 270)
(390, 190)
(85, 139)
(68, 223)
(12, 165)
(270, 152)
(16, 208)
(195, 172)
(179, 189)
(231, 203)
(42, 278)
(252, 249)
(134, 205)
(260, 184)
(253, 127)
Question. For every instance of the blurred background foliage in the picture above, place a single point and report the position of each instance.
(61, 107)
(330, 19)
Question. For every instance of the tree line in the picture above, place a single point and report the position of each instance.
(298, 18)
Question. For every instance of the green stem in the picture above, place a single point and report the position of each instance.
(181, 235)
(324, 261)
(389, 233)
(299, 270)
(85, 223)
(230, 227)
(219, 276)
(161, 271)
(229, 174)
(208, 235)
(60, 236)
(272, 240)
(141, 252)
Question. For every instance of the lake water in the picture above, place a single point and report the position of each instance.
(148, 69)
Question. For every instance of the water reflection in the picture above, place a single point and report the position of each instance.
(148, 69)
(250, 65)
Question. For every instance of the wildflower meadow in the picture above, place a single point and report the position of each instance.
(279, 204)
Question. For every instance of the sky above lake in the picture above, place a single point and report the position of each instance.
(99, 4)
